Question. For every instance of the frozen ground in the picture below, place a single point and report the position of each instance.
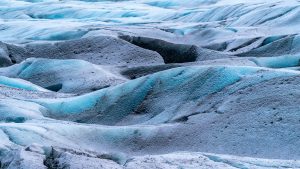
(149, 84)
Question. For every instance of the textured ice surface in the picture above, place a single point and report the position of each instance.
(75, 76)
(149, 84)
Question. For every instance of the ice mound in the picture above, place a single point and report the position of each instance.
(98, 50)
(67, 76)
(149, 84)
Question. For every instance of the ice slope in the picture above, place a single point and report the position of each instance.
(32, 157)
(256, 18)
(141, 99)
(146, 116)
(68, 76)
(243, 28)
(20, 84)
(102, 50)
(149, 84)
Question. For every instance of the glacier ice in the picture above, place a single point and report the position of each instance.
(20, 84)
(149, 84)
(63, 75)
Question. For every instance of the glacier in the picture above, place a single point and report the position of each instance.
(151, 84)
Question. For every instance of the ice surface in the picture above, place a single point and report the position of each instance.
(149, 84)
(20, 84)
(62, 75)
